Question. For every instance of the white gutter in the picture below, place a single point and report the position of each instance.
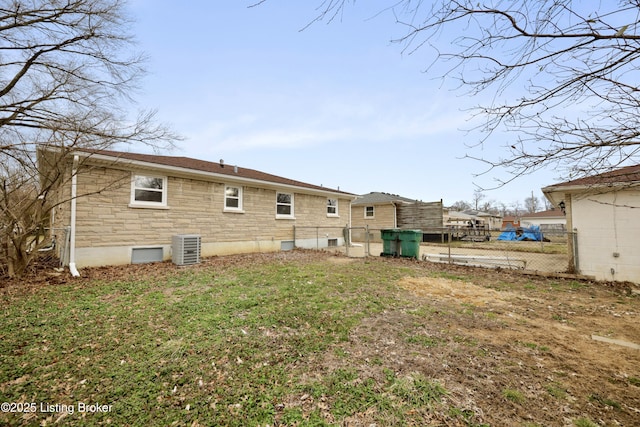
(72, 245)
(395, 215)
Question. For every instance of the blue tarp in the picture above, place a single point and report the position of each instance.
(508, 234)
(532, 233)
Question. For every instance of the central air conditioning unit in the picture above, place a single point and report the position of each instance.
(185, 249)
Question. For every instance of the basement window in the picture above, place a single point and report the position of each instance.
(145, 255)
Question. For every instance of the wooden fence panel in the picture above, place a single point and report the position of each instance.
(420, 215)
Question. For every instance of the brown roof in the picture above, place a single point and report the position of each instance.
(377, 198)
(629, 174)
(211, 167)
(544, 214)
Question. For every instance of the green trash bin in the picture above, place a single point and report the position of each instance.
(390, 242)
(410, 243)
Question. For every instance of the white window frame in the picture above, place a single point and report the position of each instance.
(148, 204)
(373, 212)
(240, 208)
(291, 204)
(334, 207)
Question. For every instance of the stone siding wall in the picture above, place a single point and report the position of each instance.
(106, 219)
(384, 217)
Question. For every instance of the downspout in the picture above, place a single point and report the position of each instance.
(72, 245)
(395, 215)
(349, 225)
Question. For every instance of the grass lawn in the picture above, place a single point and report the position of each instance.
(266, 340)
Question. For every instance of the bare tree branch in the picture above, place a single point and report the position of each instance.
(67, 77)
(562, 76)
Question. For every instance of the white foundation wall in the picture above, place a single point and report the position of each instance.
(120, 255)
(109, 227)
(608, 228)
(320, 243)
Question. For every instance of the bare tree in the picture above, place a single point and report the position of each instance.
(532, 204)
(561, 76)
(478, 196)
(490, 206)
(516, 209)
(503, 209)
(461, 206)
(67, 73)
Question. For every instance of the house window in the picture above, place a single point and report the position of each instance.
(369, 212)
(149, 190)
(284, 205)
(332, 207)
(233, 198)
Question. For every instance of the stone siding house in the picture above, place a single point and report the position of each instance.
(130, 206)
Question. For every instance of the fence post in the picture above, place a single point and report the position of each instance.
(449, 234)
(571, 261)
(347, 239)
(367, 242)
(64, 250)
(576, 260)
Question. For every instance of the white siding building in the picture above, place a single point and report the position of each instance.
(605, 212)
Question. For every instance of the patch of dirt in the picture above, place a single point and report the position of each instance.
(534, 338)
(342, 260)
(461, 291)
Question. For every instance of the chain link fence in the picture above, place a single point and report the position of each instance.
(550, 252)
(554, 252)
(319, 237)
(50, 247)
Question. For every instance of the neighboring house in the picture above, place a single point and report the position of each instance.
(456, 219)
(493, 220)
(604, 210)
(470, 225)
(473, 218)
(129, 207)
(510, 221)
(379, 211)
(548, 221)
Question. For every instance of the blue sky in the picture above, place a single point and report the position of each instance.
(337, 104)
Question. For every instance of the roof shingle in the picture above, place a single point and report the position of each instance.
(210, 167)
(544, 214)
(375, 198)
(625, 175)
